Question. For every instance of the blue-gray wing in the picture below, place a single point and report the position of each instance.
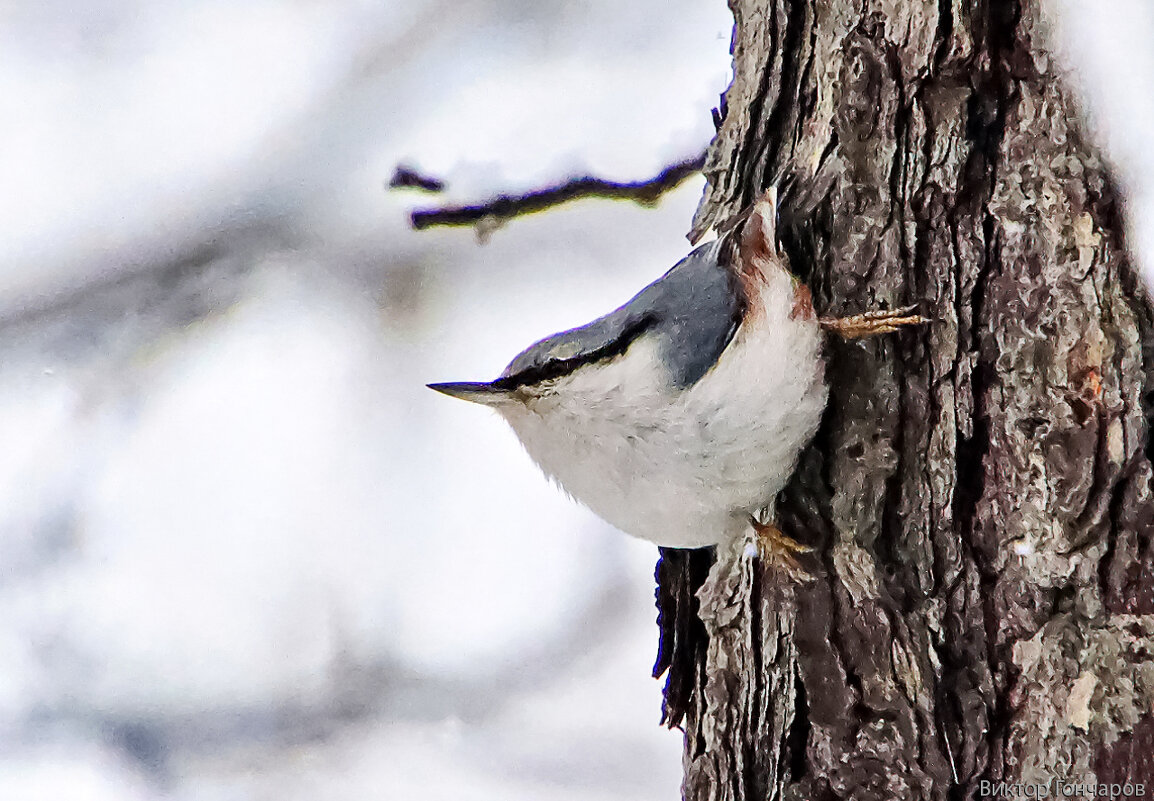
(693, 311)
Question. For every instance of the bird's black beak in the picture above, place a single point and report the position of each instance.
(474, 392)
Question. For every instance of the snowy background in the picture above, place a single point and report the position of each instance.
(244, 553)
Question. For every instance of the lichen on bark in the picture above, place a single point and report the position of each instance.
(979, 492)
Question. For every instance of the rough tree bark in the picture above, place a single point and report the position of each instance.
(980, 491)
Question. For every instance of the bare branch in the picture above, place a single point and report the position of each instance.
(505, 207)
(408, 178)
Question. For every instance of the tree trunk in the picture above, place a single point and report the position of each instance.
(980, 490)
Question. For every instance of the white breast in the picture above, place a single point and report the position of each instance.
(685, 468)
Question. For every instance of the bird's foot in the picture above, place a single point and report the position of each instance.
(776, 549)
(859, 326)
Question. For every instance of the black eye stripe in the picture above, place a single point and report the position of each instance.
(556, 368)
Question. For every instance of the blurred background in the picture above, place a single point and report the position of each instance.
(244, 553)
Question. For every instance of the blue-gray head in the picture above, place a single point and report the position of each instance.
(691, 312)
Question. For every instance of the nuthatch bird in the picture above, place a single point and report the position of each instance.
(680, 416)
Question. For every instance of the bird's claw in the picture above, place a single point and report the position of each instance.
(859, 326)
(776, 549)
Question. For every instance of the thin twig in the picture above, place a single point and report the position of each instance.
(407, 177)
(505, 207)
